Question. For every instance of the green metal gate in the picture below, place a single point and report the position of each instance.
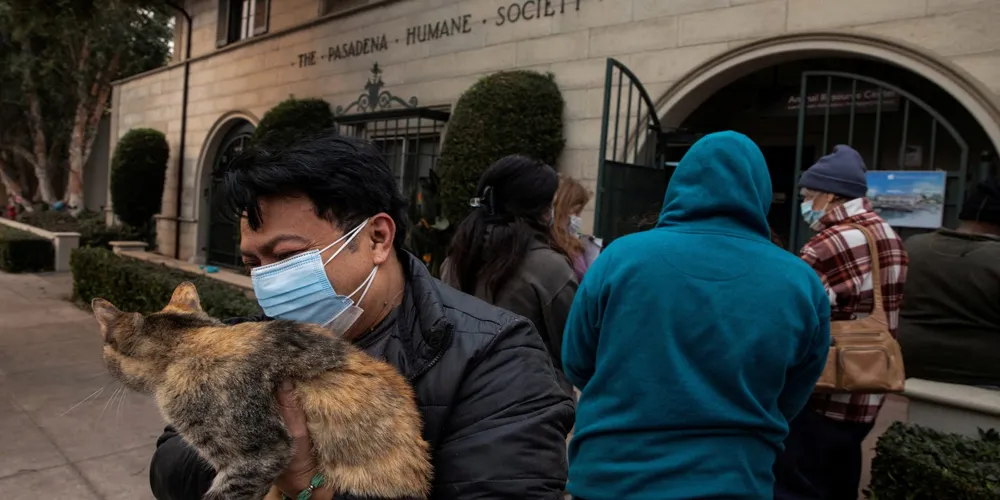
(835, 93)
(632, 171)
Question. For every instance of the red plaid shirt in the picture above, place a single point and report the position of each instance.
(839, 255)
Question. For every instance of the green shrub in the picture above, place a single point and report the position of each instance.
(137, 286)
(138, 170)
(291, 120)
(512, 112)
(917, 463)
(93, 231)
(23, 252)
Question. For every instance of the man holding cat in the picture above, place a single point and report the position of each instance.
(322, 230)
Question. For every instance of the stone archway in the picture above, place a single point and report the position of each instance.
(222, 132)
(700, 83)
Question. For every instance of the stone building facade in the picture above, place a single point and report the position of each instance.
(248, 55)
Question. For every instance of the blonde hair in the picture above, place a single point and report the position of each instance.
(570, 199)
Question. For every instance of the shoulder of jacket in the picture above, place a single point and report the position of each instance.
(473, 318)
(822, 244)
(549, 260)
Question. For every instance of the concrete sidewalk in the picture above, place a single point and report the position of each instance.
(50, 360)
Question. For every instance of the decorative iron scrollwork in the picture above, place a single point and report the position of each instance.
(374, 98)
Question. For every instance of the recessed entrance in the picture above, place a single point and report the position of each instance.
(897, 120)
(223, 236)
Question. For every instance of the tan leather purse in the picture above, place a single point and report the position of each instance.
(863, 355)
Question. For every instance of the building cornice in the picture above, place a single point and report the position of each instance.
(377, 4)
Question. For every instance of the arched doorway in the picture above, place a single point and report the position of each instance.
(223, 235)
(903, 120)
(898, 120)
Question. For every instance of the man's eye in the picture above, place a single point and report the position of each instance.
(278, 257)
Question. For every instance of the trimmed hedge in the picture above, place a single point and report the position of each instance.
(23, 252)
(137, 286)
(291, 120)
(93, 231)
(510, 112)
(138, 172)
(918, 463)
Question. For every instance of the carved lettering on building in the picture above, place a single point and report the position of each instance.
(365, 46)
(440, 29)
(506, 14)
(527, 10)
(307, 59)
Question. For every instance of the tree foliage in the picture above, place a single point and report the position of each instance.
(57, 61)
(291, 120)
(138, 169)
(511, 112)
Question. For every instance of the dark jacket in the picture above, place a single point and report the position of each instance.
(541, 290)
(493, 413)
(949, 326)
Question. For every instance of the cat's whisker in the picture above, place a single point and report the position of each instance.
(88, 398)
(112, 398)
(121, 402)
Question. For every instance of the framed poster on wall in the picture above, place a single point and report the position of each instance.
(908, 198)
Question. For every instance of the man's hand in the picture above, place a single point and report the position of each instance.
(301, 470)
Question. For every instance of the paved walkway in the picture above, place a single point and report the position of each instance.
(50, 360)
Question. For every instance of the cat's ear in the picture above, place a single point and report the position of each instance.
(106, 314)
(185, 298)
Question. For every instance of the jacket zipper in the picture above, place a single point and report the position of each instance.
(427, 367)
(437, 357)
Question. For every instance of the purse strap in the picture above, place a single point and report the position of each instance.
(877, 307)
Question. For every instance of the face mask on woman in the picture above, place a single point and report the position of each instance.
(575, 223)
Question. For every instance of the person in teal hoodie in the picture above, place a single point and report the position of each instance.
(694, 343)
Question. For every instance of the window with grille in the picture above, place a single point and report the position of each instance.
(242, 19)
(409, 139)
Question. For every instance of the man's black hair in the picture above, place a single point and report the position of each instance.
(346, 179)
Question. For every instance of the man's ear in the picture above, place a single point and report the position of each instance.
(383, 234)
(185, 298)
(107, 315)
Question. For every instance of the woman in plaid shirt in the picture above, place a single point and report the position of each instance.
(822, 457)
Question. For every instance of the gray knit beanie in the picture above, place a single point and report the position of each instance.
(841, 172)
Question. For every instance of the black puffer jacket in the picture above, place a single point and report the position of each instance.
(493, 412)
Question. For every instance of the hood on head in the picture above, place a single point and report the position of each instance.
(721, 184)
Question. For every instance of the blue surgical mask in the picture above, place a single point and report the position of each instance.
(297, 289)
(810, 215)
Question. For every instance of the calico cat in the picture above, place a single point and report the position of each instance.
(216, 385)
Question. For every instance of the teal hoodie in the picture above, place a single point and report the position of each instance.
(694, 343)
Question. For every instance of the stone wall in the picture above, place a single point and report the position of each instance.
(660, 40)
